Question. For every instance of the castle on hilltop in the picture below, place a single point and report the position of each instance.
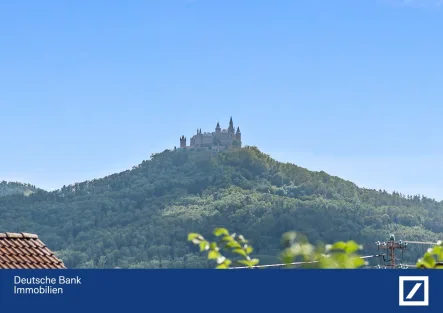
(220, 139)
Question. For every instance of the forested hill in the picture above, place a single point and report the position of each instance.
(141, 217)
(16, 188)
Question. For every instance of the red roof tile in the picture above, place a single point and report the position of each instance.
(26, 251)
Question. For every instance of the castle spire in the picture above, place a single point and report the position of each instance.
(231, 126)
(182, 141)
(238, 136)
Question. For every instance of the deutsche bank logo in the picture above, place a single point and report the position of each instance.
(413, 290)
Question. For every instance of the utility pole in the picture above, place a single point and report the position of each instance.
(390, 247)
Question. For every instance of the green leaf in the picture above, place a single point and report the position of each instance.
(245, 262)
(358, 262)
(212, 255)
(340, 245)
(193, 236)
(287, 258)
(221, 231)
(222, 266)
(437, 250)
(249, 250)
(422, 263)
(352, 247)
(204, 245)
(429, 259)
(239, 251)
(227, 238)
(233, 244)
(306, 249)
(288, 238)
(254, 262)
(213, 246)
(221, 259)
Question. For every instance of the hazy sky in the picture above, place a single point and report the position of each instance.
(354, 88)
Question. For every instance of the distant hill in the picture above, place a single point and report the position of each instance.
(140, 218)
(16, 188)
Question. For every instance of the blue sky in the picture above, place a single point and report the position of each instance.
(88, 88)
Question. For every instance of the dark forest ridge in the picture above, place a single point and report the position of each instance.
(200, 149)
(13, 188)
(141, 217)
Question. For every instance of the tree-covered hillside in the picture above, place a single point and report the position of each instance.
(141, 217)
(16, 188)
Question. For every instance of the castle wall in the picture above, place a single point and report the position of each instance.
(204, 139)
(225, 138)
(207, 139)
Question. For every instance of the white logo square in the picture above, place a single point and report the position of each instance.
(405, 300)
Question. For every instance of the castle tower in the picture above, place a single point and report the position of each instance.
(182, 142)
(217, 128)
(231, 129)
(238, 135)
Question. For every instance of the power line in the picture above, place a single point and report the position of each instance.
(422, 242)
(296, 263)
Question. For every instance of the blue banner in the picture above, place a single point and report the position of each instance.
(209, 291)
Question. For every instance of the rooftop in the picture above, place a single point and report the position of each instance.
(26, 251)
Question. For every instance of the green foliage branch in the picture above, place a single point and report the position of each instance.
(338, 255)
(225, 242)
(433, 257)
